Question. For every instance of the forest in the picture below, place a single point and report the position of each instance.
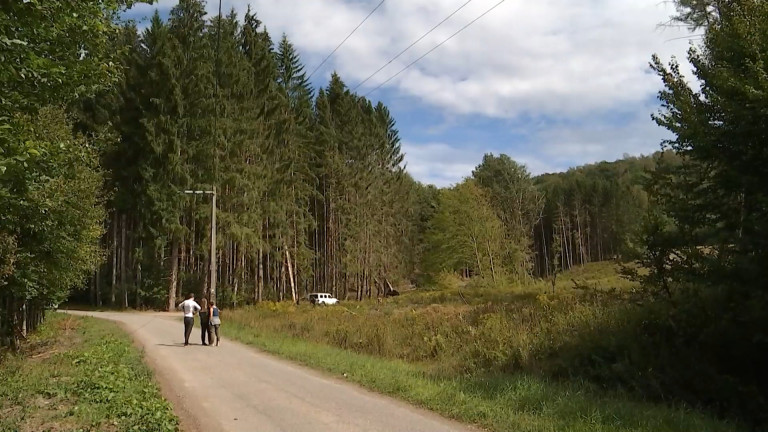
(103, 127)
(311, 190)
(312, 194)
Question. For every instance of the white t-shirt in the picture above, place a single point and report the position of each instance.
(189, 307)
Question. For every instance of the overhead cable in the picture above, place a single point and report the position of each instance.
(411, 45)
(436, 47)
(345, 39)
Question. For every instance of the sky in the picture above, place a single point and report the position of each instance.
(554, 84)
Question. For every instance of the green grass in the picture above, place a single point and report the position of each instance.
(450, 289)
(505, 357)
(80, 374)
(499, 402)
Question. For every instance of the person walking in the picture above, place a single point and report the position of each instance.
(215, 323)
(189, 307)
(205, 322)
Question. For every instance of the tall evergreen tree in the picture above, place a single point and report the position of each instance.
(717, 198)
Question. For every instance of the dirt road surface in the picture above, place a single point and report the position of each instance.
(233, 387)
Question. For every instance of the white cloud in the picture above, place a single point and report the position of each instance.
(440, 164)
(545, 149)
(553, 57)
(593, 141)
(546, 59)
(445, 165)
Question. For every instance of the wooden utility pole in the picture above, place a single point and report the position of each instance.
(213, 246)
(212, 268)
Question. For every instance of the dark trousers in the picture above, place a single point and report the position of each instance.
(205, 330)
(188, 323)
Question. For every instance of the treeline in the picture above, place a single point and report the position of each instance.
(593, 213)
(311, 194)
(502, 221)
(310, 189)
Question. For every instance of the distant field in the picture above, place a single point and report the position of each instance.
(501, 358)
(80, 374)
(600, 276)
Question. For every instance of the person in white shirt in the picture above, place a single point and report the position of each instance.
(190, 308)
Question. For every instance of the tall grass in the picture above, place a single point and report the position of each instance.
(476, 351)
(499, 402)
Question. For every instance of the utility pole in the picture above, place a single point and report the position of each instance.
(213, 245)
(213, 236)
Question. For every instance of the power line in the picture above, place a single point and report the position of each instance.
(411, 45)
(345, 39)
(695, 36)
(436, 47)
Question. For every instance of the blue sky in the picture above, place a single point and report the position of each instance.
(552, 83)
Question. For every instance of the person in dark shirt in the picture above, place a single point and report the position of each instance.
(205, 314)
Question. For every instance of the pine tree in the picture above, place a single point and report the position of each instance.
(717, 197)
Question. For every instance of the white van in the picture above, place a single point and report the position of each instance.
(322, 299)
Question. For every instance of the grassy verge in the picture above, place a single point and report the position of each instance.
(80, 374)
(499, 402)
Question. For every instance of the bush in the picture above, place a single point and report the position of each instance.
(704, 349)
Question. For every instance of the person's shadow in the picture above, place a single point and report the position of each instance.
(176, 345)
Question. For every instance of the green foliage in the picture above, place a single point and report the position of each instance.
(51, 196)
(697, 14)
(590, 213)
(50, 189)
(466, 234)
(717, 197)
(593, 330)
(81, 374)
(485, 364)
(517, 203)
(53, 53)
(311, 192)
(705, 242)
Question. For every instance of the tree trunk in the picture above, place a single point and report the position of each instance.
(184, 264)
(192, 249)
(477, 255)
(24, 319)
(239, 274)
(225, 260)
(260, 276)
(112, 292)
(544, 248)
(123, 253)
(206, 279)
(582, 255)
(490, 256)
(564, 243)
(290, 276)
(98, 286)
(92, 294)
(174, 275)
(138, 284)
